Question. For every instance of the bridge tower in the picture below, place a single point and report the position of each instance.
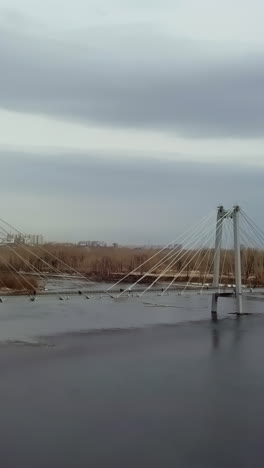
(223, 214)
(236, 214)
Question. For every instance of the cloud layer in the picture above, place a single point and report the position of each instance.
(135, 77)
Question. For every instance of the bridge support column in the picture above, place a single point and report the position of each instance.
(238, 279)
(217, 258)
(214, 307)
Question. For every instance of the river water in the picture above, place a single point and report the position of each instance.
(139, 382)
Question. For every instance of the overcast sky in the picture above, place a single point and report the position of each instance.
(126, 120)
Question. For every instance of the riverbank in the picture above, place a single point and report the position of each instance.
(110, 264)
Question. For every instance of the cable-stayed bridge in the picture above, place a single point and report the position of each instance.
(213, 257)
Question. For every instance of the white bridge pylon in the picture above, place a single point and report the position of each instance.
(222, 215)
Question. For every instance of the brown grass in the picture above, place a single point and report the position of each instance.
(102, 262)
(16, 282)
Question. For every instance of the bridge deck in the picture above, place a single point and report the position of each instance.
(224, 292)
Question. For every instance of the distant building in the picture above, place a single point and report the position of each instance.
(37, 239)
(92, 244)
(28, 239)
(9, 239)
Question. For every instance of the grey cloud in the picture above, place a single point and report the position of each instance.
(135, 78)
(134, 201)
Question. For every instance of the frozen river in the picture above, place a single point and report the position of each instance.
(132, 383)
